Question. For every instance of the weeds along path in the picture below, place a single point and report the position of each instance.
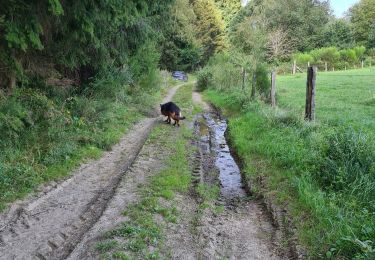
(51, 225)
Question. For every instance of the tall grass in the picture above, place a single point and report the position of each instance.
(323, 173)
(46, 131)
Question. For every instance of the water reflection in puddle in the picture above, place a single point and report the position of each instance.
(214, 129)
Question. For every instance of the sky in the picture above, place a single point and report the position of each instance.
(341, 6)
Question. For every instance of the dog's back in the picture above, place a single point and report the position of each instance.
(168, 108)
(171, 110)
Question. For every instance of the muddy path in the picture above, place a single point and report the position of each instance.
(237, 225)
(68, 220)
(51, 224)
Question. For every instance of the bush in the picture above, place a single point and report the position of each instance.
(348, 164)
(303, 58)
(263, 82)
(204, 78)
(221, 74)
(338, 59)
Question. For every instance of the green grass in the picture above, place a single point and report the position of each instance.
(322, 173)
(342, 97)
(142, 237)
(46, 132)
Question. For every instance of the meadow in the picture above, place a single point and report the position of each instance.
(342, 97)
(322, 173)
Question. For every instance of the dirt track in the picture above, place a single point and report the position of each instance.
(51, 225)
(67, 220)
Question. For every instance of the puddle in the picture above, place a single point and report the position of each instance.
(212, 139)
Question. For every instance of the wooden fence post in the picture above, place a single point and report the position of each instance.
(326, 65)
(243, 78)
(294, 70)
(310, 93)
(362, 64)
(273, 89)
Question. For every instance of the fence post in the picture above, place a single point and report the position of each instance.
(243, 78)
(362, 64)
(310, 93)
(326, 64)
(273, 88)
(294, 70)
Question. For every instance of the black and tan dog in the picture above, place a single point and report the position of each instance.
(172, 111)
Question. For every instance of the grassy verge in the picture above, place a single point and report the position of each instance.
(46, 131)
(142, 236)
(323, 175)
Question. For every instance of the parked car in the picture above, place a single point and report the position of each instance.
(180, 75)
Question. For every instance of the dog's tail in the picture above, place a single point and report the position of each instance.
(180, 117)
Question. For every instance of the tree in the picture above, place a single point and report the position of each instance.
(210, 28)
(229, 9)
(362, 16)
(279, 47)
(249, 38)
(339, 33)
(371, 36)
(303, 20)
(76, 39)
(181, 49)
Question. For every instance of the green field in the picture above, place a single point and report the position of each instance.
(322, 173)
(342, 98)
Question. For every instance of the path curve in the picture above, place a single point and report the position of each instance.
(51, 224)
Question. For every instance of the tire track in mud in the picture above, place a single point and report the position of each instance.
(242, 228)
(51, 225)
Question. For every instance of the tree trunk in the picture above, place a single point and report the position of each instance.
(12, 82)
(273, 89)
(243, 78)
(253, 85)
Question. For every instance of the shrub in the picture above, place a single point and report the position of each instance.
(303, 58)
(349, 56)
(263, 83)
(204, 78)
(347, 164)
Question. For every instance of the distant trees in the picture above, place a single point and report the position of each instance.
(339, 33)
(181, 49)
(303, 20)
(362, 17)
(210, 28)
(229, 9)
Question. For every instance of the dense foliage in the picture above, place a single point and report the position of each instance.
(362, 16)
(77, 39)
(323, 172)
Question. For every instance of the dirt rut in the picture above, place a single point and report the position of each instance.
(237, 225)
(52, 224)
